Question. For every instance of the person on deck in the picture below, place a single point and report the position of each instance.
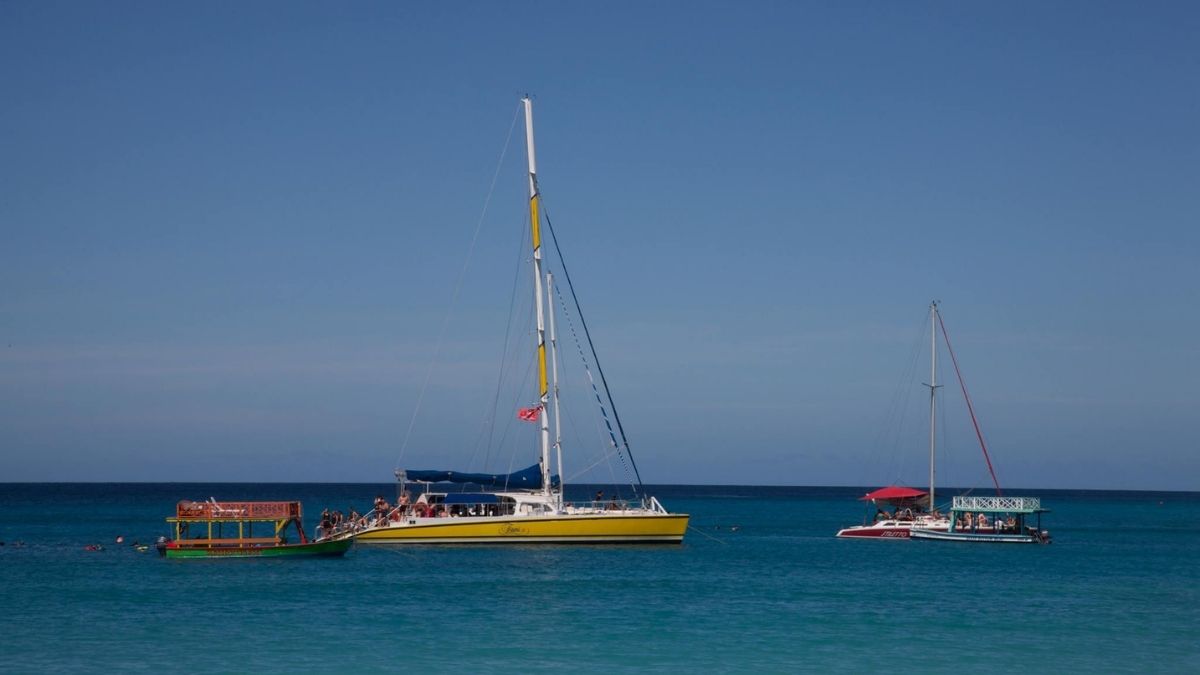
(378, 510)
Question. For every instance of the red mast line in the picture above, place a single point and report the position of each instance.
(970, 407)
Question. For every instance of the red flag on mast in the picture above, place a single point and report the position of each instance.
(529, 414)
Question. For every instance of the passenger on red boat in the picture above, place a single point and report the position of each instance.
(982, 520)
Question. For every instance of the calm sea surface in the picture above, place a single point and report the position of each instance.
(1117, 591)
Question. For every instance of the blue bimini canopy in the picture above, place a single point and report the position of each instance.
(471, 498)
(525, 479)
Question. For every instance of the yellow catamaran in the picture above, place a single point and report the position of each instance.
(525, 507)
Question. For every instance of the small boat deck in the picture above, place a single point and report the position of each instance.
(214, 529)
(991, 520)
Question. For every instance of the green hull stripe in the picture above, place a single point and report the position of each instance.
(324, 548)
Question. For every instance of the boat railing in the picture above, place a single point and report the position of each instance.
(397, 514)
(607, 506)
(645, 504)
(997, 503)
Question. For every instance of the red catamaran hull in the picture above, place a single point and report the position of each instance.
(900, 532)
(890, 531)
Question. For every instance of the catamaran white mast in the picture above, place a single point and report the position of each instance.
(554, 384)
(933, 386)
(535, 226)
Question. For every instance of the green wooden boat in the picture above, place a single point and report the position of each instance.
(215, 529)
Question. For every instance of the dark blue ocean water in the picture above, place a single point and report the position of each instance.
(1118, 591)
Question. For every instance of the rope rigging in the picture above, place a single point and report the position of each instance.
(458, 284)
(512, 303)
(970, 408)
(616, 446)
(595, 358)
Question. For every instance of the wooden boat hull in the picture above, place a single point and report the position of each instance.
(563, 529)
(328, 548)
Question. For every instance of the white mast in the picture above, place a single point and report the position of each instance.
(554, 384)
(535, 227)
(933, 386)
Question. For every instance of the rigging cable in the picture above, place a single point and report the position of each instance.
(946, 456)
(512, 301)
(970, 407)
(458, 283)
(587, 370)
(891, 431)
(583, 322)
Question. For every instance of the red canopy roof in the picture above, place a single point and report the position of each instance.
(894, 492)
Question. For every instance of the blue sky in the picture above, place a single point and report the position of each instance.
(230, 232)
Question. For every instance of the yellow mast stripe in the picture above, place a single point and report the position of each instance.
(535, 225)
(533, 219)
(542, 370)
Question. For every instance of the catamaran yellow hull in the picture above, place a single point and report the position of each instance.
(566, 529)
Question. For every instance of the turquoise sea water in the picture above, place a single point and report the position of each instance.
(1117, 591)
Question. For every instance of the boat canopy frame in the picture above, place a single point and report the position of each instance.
(997, 504)
(282, 516)
(1017, 509)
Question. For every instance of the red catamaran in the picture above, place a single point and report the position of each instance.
(909, 509)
